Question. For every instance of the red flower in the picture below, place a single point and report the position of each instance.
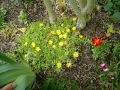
(97, 41)
(103, 37)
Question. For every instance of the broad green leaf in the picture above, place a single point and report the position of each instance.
(116, 17)
(5, 58)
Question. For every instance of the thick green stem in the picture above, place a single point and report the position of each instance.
(82, 3)
(51, 12)
(87, 11)
(81, 23)
(89, 7)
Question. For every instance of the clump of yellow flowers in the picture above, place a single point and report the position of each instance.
(74, 28)
(59, 65)
(58, 32)
(33, 44)
(74, 19)
(67, 30)
(69, 65)
(75, 54)
(65, 35)
(81, 36)
(54, 46)
(63, 43)
(37, 49)
(50, 42)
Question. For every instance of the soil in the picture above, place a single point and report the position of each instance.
(85, 69)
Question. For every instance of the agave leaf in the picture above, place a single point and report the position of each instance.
(25, 81)
(5, 58)
(7, 67)
(11, 75)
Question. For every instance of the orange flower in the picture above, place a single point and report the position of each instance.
(97, 41)
(103, 37)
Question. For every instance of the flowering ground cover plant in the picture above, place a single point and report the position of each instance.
(80, 52)
(51, 46)
(108, 54)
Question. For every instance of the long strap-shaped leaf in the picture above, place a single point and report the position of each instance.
(5, 58)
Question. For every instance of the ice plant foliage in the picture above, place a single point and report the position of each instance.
(104, 67)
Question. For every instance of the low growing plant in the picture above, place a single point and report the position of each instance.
(101, 52)
(108, 72)
(22, 18)
(53, 46)
(116, 50)
(112, 7)
(59, 84)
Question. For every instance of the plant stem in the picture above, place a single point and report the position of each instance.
(81, 23)
(51, 12)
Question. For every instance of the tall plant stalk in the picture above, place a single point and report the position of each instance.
(51, 12)
(83, 13)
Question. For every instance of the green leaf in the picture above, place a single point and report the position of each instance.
(108, 6)
(5, 58)
(116, 17)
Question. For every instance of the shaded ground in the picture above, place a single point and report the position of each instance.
(86, 67)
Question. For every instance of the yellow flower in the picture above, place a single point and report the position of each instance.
(68, 30)
(52, 32)
(60, 36)
(58, 65)
(54, 46)
(58, 32)
(74, 19)
(50, 42)
(37, 49)
(62, 14)
(61, 43)
(75, 54)
(69, 65)
(65, 35)
(74, 28)
(26, 44)
(33, 44)
(81, 36)
(41, 24)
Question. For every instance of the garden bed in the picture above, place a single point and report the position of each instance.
(86, 71)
